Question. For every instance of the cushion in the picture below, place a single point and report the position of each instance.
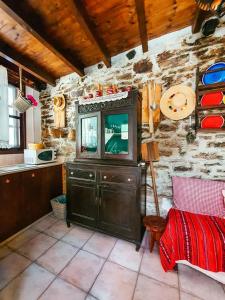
(199, 196)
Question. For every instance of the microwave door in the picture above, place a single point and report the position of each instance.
(46, 156)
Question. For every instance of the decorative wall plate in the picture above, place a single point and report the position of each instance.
(212, 122)
(211, 99)
(216, 77)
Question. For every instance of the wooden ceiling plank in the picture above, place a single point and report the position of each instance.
(59, 53)
(86, 24)
(140, 9)
(200, 16)
(28, 65)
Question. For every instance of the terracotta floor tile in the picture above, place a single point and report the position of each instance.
(56, 258)
(145, 240)
(196, 283)
(37, 246)
(83, 270)
(114, 283)
(4, 251)
(89, 297)
(124, 254)
(11, 266)
(29, 285)
(100, 244)
(151, 266)
(185, 296)
(61, 290)
(22, 238)
(44, 223)
(77, 236)
(58, 229)
(148, 288)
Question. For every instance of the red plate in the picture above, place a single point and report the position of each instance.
(212, 122)
(212, 99)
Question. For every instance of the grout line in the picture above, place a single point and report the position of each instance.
(9, 239)
(57, 275)
(138, 273)
(106, 260)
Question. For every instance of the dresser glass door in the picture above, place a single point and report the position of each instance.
(89, 134)
(116, 134)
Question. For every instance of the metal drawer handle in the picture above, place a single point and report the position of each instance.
(90, 175)
(7, 181)
(129, 179)
(33, 175)
(105, 177)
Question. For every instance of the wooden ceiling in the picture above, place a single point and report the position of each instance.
(53, 38)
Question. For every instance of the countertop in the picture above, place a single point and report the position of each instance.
(4, 170)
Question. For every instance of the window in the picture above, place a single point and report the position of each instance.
(14, 119)
(16, 125)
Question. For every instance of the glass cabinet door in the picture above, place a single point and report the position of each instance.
(89, 134)
(116, 134)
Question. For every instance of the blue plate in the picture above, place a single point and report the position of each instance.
(211, 78)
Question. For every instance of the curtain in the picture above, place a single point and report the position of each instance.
(4, 110)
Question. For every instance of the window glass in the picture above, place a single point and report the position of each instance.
(14, 119)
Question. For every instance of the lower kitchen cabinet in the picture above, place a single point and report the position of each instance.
(25, 197)
(110, 199)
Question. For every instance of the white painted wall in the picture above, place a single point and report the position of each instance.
(33, 119)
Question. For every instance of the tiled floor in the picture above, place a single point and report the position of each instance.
(51, 262)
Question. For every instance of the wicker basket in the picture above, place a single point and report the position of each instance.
(21, 104)
(59, 209)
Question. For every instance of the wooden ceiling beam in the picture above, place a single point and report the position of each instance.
(72, 63)
(28, 78)
(27, 64)
(88, 27)
(200, 17)
(140, 9)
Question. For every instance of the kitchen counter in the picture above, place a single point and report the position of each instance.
(25, 167)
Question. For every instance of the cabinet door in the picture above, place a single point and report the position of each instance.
(118, 211)
(12, 214)
(89, 136)
(33, 186)
(82, 202)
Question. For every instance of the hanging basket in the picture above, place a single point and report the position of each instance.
(21, 104)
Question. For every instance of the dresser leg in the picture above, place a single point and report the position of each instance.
(138, 246)
(68, 223)
(151, 242)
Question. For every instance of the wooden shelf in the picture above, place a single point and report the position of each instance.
(210, 107)
(211, 71)
(211, 129)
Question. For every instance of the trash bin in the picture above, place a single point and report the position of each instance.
(59, 207)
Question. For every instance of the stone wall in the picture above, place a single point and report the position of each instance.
(172, 59)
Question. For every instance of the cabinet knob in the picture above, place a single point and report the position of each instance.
(129, 179)
(90, 175)
(7, 181)
(71, 173)
(33, 175)
(105, 177)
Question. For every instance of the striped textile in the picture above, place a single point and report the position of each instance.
(199, 239)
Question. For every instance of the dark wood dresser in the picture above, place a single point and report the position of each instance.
(106, 183)
(110, 199)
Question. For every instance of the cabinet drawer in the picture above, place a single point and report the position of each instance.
(81, 174)
(117, 177)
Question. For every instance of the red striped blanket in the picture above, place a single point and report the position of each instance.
(199, 239)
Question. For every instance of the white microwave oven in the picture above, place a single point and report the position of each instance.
(39, 156)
